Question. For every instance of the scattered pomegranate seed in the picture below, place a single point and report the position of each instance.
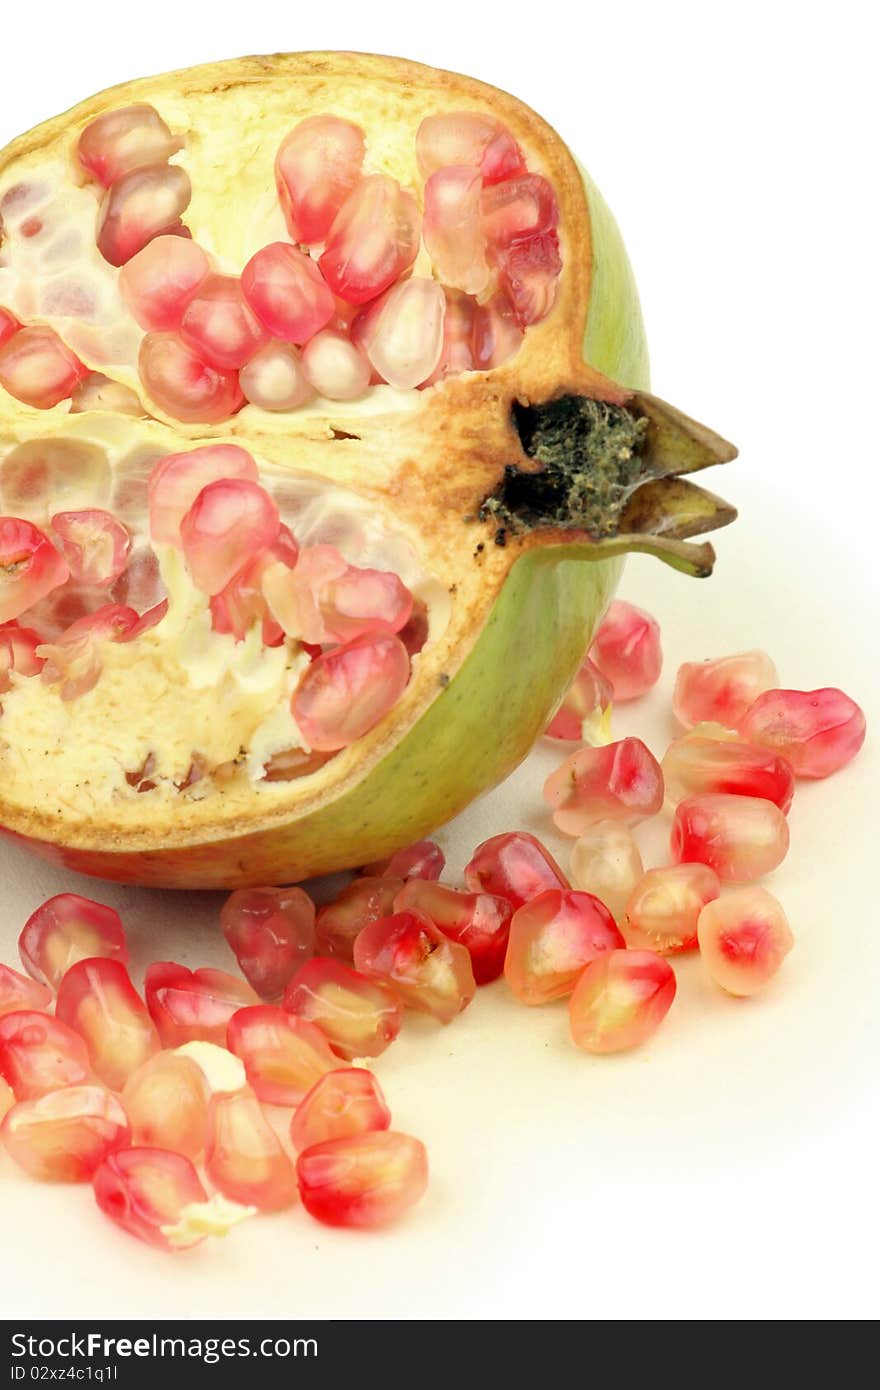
(529, 276)
(453, 229)
(359, 1017)
(158, 283)
(552, 938)
(338, 923)
(243, 1157)
(63, 1135)
(120, 141)
(424, 859)
(193, 1005)
(147, 1191)
(720, 691)
(478, 921)
(177, 480)
(620, 1000)
(584, 714)
(166, 1101)
(744, 938)
(430, 972)
(627, 651)
(662, 911)
(39, 1054)
(183, 384)
(335, 367)
(363, 1180)
(98, 1000)
(283, 1055)
(606, 862)
(317, 166)
(347, 691)
(36, 367)
(271, 932)
(286, 291)
(95, 545)
(514, 866)
(405, 338)
(9, 325)
(274, 378)
(817, 731)
(342, 1104)
(98, 392)
(66, 929)
(711, 759)
(497, 335)
(141, 205)
(227, 526)
(374, 238)
(740, 837)
(18, 994)
(468, 137)
(618, 781)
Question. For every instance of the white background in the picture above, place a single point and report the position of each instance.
(729, 1169)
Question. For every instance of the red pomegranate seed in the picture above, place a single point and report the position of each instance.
(227, 526)
(342, 1104)
(468, 137)
(9, 325)
(158, 283)
(514, 866)
(36, 367)
(283, 1055)
(584, 712)
(271, 932)
(95, 545)
(740, 837)
(66, 929)
(193, 1005)
(744, 938)
(529, 276)
(405, 338)
(817, 731)
(518, 209)
(335, 367)
(477, 921)
(177, 480)
(620, 1000)
(457, 354)
(243, 1157)
(424, 859)
(39, 1054)
(663, 908)
(606, 862)
(30, 567)
(98, 1000)
(359, 1017)
(627, 650)
(18, 994)
(430, 972)
(120, 141)
(147, 1192)
(339, 923)
(183, 384)
(166, 1101)
(287, 293)
(720, 691)
(345, 692)
(317, 166)
(274, 379)
(64, 1135)
(497, 335)
(619, 781)
(219, 325)
(144, 204)
(711, 759)
(453, 229)
(552, 938)
(363, 1180)
(98, 392)
(18, 652)
(373, 240)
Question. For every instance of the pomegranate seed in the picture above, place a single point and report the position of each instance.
(271, 932)
(363, 1180)
(347, 691)
(424, 859)
(316, 168)
(430, 972)
(286, 291)
(324, 599)
(296, 597)
(468, 137)
(721, 691)
(147, 1191)
(144, 204)
(662, 911)
(518, 209)
(243, 1157)
(457, 353)
(75, 659)
(150, 619)
(627, 651)
(18, 652)
(817, 731)
(283, 1055)
(364, 901)
(9, 325)
(18, 994)
(740, 837)
(552, 938)
(497, 335)
(342, 1104)
(359, 1017)
(183, 384)
(529, 276)
(274, 379)
(98, 392)
(226, 527)
(242, 602)
(166, 1101)
(158, 283)
(98, 1000)
(584, 714)
(177, 480)
(744, 937)
(711, 759)
(453, 229)
(7, 1099)
(620, 1000)
(514, 866)
(39, 1054)
(374, 238)
(66, 929)
(477, 921)
(219, 325)
(606, 862)
(36, 367)
(64, 1135)
(335, 367)
(405, 340)
(123, 140)
(193, 1005)
(94, 544)
(619, 781)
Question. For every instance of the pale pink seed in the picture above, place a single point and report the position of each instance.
(75, 658)
(662, 911)
(360, 1017)
(620, 1000)
(226, 527)
(37, 368)
(744, 938)
(338, 924)
(478, 921)
(457, 354)
(271, 932)
(183, 384)
(158, 283)
(286, 291)
(64, 1135)
(66, 929)
(606, 862)
(627, 650)
(740, 837)
(345, 692)
(423, 859)
(219, 324)
(406, 338)
(317, 166)
(551, 939)
(98, 392)
(453, 229)
(618, 781)
(18, 653)
(721, 690)
(712, 759)
(274, 378)
(528, 274)
(587, 701)
(283, 1055)
(817, 731)
(515, 866)
(364, 1179)
(30, 567)
(242, 602)
(343, 1103)
(243, 1157)
(151, 618)
(430, 972)
(18, 993)
(324, 599)
(166, 1101)
(373, 240)
(141, 205)
(122, 140)
(39, 1054)
(518, 209)
(98, 1000)
(335, 367)
(294, 594)
(146, 1191)
(468, 137)
(95, 545)
(193, 1005)
(497, 335)
(177, 480)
